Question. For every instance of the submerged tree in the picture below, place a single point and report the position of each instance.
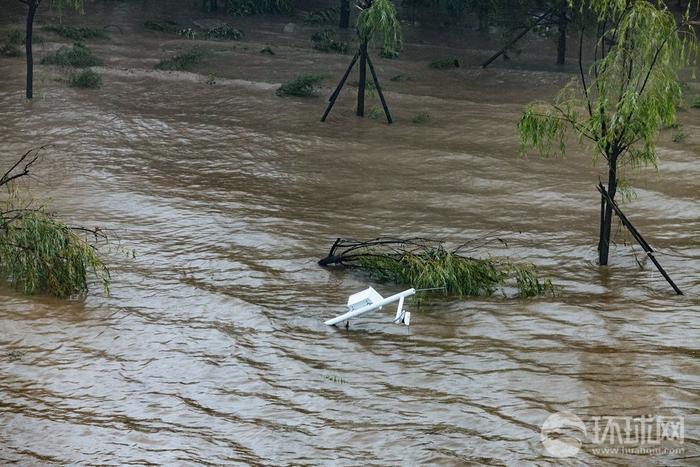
(627, 95)
(32, 7)
(376, 24)
(39, 253)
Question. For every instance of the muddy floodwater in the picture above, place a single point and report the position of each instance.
(211, 346)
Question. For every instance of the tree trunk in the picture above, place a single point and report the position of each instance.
(33, 5)
(363, 81)
(561, 44)
(344, 14)
(606, 227)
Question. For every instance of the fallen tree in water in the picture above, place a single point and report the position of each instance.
(38, 252)
(427, 264)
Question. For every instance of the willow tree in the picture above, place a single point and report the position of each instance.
(618, 106)
(38, 252)
(32, 8)
(377, 24)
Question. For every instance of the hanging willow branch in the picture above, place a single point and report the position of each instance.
(38, 252)
(426, 264)
(377, 22)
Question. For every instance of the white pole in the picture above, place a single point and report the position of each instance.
(368, 308)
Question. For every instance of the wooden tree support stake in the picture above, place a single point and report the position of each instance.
(363, 56)
(637, 236)
(379, 91)
(336, 93)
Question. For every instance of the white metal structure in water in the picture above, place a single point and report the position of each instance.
(370, 300)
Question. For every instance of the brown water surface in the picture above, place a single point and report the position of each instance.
(211, 346)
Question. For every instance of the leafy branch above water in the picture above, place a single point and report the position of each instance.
(427, 264)
(38, 252)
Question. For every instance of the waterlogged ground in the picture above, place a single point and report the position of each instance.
(211, 347)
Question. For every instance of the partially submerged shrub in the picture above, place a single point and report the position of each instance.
(398, 78)
(224, 32)
(329, 15)
(696, 102)
(14, 37)
(182, 62)
(10, 50)
(421, 118)
(86, 79)
(444, 63)
(167, 26)
(426, 264)
(375, 113)
(370, 87)
(325, 42)
(680, 137)
(258, 7)
(78, 56)
(389, 54)
(303, 86)
(76, 33)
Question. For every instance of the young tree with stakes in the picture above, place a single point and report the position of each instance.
(377, 22)
(620, 103)
(32, 7)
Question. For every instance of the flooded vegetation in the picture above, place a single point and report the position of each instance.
(220, 197)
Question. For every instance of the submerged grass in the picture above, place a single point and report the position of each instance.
(182, 62)
(302, 86)
(444, 63)
(78, 56)
(167, 26)
(86, 79)
(76, 33)
(325, 41)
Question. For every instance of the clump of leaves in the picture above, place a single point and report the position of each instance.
(329, 15)
(10, 50)
(302, 86)
(259, 7)
(388, 54)
(170, 27)
(370, 87)
(421, 118)
(695, 102)
(267, 50)
(398, 78)
(182, 62)
(445, 63)
(76, 33)
(224, 32)
(14, 37)
(426, 264)
(375, 113)
(379, 24)
(86, 79)
(78, 56)
(680, 137)
(325, 42)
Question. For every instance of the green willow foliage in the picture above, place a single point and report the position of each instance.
(379, 24)
(459, 275)
(627, 95)
(40, 254)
